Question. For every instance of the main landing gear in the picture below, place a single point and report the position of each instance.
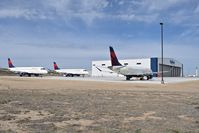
(128, 77)
(147, 77)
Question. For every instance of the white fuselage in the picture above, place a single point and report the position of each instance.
(29, 70)
(73, 71)
(131, 71)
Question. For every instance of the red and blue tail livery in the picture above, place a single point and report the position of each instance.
(10, 65)
(114, 60)
(55, 66)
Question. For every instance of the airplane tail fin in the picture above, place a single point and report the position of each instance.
(10, 65)
(114, 60)
(55, 66)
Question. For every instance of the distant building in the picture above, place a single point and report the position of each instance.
(171, 67)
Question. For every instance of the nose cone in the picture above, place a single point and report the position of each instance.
(46, 71)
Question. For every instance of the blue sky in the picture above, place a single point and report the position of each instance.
(75, 32)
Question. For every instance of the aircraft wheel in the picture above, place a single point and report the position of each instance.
(128, 78)
(148, 77)
(141, 78)
(145, 77)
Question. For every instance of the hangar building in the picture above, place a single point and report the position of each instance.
(171, 67)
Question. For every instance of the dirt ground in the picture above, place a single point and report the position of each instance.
(29, 105)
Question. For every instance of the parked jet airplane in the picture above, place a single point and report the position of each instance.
(129, 72)
(22, 71)
(70, 72)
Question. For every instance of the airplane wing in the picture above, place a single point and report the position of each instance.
(104, 69)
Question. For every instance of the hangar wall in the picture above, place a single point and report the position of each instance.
(173, 67)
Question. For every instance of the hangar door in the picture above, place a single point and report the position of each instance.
(173, 71)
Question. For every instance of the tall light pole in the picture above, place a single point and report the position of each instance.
(161, 25)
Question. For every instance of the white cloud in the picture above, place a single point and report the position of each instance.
(121, 2)
(22, 13)
(90, 10)
(56, 5)
(87, 10)
(160, 5)
(12, 13)
(88, 5)
(139, 17)
(196, 9)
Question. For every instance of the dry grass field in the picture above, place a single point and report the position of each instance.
(29, 105)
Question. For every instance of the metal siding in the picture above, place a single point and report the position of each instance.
(154, 65)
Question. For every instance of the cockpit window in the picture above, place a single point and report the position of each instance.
(43, 69)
